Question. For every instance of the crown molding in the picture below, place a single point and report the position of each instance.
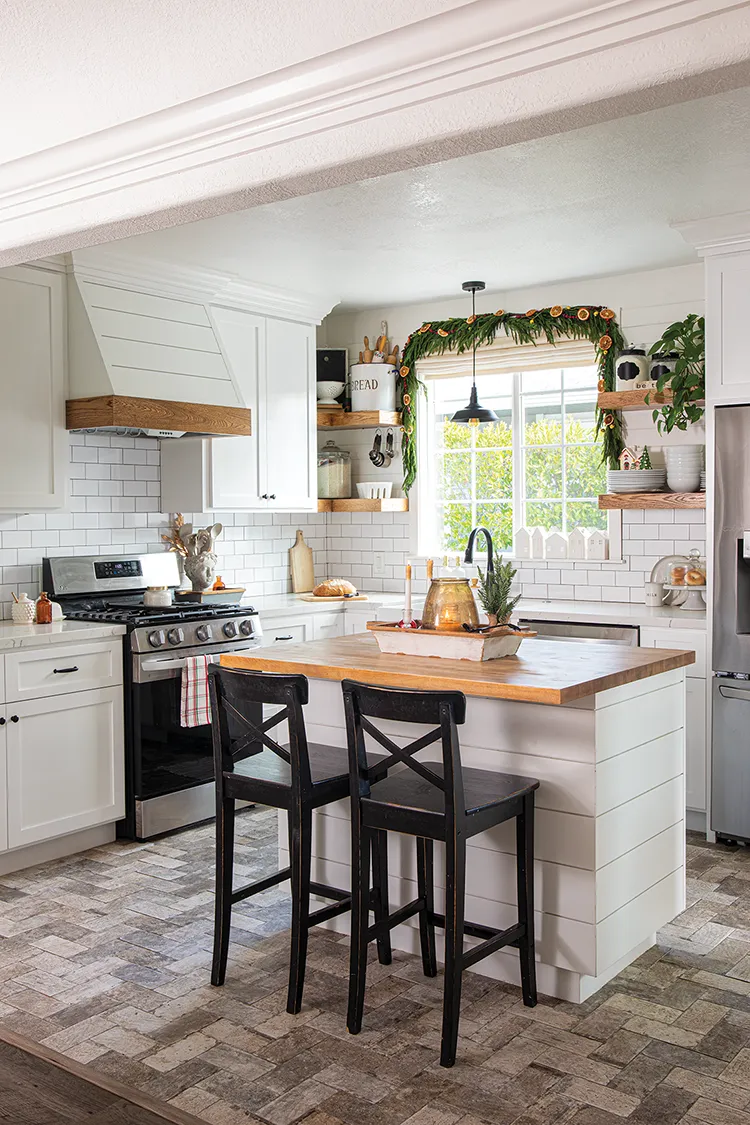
(721, 234)
(459, 50)
(195, 283)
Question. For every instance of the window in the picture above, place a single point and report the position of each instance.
(537, 465)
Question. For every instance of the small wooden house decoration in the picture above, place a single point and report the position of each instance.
(629, 458)
(556, 545)
(577, 541)
(597, 546)
(522, 543)
(538, 539)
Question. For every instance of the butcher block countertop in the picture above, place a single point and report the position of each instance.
(554, 672)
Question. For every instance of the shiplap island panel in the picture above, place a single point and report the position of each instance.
(609, 753)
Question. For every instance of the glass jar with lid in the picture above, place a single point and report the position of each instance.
(334, 472)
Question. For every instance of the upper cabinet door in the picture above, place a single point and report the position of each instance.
(288, 427)
(236, 472)
(33, 440)
(727, 297)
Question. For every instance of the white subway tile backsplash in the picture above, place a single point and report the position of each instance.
(113, 508)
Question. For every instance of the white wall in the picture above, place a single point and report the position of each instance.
(645, 303)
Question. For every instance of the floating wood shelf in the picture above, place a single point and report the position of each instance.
(395, 504)
(357, 420)
(634, 400)
(653, 500)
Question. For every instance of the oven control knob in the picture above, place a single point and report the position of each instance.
(175, 636)
(203, 633)
(246, 627)
(156, 639)
(230, 629)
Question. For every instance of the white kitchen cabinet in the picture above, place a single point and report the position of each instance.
(33, 440)
(286, 630)
(327, 625)
(727, 296)
(696, 735)
(273, 364)
(64, 764)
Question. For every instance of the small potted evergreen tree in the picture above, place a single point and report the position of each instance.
(494, 591)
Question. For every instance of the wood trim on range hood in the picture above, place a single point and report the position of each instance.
(122, 412)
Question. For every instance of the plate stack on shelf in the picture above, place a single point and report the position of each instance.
(636, 480)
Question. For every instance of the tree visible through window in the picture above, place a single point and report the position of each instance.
(537, 466)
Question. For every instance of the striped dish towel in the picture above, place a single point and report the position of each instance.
(195, 705)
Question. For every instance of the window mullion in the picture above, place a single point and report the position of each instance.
(518, 491)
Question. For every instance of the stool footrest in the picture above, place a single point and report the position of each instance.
(396, 917)
(322, 890)
(261, 885)
(327, 912)
(502, 938)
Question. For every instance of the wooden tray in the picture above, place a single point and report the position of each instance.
(211, 597)
(499, 642)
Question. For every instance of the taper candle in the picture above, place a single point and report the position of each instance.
(407, 596)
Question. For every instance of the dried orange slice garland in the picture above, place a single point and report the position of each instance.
(596, 323)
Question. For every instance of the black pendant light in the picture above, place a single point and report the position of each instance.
(474, 414)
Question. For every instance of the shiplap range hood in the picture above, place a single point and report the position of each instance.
(146, 353)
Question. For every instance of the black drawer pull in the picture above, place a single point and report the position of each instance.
(2, 721)
(288, 637)
(63, 671)
(14, 718)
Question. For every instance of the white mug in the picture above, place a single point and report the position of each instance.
(654, 593)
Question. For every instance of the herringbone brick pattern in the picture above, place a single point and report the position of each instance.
(105, 957)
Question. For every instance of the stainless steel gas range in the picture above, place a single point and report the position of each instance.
(168, 767)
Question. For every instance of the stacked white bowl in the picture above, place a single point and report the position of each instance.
(684, 466)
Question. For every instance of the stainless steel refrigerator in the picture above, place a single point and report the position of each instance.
(730, 803)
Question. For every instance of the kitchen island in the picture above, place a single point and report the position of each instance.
(601, 726)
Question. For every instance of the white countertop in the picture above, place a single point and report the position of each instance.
(611, 613)
(59, 632)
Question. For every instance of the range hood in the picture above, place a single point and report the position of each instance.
(145, 363)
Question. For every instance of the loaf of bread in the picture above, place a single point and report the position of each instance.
(334, 588)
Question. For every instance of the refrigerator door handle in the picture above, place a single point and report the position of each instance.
(735, 693)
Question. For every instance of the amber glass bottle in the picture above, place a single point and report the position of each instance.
(43, 610)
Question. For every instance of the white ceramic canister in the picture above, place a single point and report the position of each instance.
(373, 386)
(632, 367)
(23, 612)
(654, 593)
(662, 363)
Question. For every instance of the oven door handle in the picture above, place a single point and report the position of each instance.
(162, 665)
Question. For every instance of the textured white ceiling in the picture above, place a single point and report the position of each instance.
(595, 201)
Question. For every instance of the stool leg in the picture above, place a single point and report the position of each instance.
(361, 842)
(300, 852)
(525, 877)
(223, 901)
(426, 891)
(455, 890)
(380, 895)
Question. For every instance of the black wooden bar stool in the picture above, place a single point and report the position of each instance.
(250, 766)
(432, 801)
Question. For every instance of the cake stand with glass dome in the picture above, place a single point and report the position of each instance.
(684, 580)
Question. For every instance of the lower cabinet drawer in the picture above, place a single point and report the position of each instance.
(327, 625)
(284, 633)
(61, 669)
(65, 764)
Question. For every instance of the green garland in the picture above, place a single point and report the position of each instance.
(583, 322)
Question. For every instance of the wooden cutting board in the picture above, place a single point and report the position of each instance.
(301, 565)
(340, 598)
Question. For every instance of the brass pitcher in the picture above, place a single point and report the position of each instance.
(449, 603)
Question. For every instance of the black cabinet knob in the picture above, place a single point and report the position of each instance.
(14, 718)
(2, 721)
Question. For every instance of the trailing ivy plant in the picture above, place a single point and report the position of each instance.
(688, 380)
(494, 591)
(460, 334)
